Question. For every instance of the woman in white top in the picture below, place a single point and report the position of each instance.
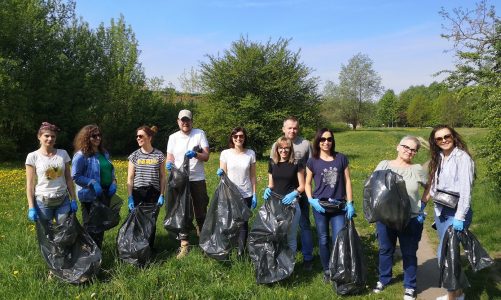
(451, 169)
(239, 163)
(49, 198)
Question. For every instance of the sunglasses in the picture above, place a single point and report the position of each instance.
(238, 136)
(323, 140)
(281, 149)
(440, 139)
(96, 136)
(409, 149)
(139, 136)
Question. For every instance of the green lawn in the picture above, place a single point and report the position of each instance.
(23, 273)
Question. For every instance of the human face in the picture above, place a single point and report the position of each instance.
(290, 129)
(47, 138)
(142, 138)
(238, 139)
(95, 139)
(407, 150)
(326, 141)
(444, 139)
(284, 151)
(185, 125)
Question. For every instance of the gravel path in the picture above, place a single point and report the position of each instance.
(427, 272)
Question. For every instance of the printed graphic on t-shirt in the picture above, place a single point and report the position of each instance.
(330, 176)
(147, 161)
(53, 172)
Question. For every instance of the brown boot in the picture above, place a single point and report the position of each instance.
(183, 250)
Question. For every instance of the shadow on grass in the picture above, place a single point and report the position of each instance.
(486, 281)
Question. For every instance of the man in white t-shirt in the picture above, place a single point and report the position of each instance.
(302, 151)
(179, 145)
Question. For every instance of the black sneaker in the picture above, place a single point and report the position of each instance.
(308, 265)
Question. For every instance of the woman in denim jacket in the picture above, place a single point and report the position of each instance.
(93, 173)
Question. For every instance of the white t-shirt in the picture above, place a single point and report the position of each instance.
(50, 172)
(179, 143)
(238, 167)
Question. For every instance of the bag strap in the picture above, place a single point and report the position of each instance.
(439, 167)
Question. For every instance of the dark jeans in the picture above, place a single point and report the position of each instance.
(322, 221)
(147, 195)
(409, 239)
(86, 206)
(198, 192)
(244, 230)
(305, 226)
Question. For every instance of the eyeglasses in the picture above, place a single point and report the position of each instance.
(139, 136)
(282, 149)
(409, 149)
(323, 140)
(238, 136)
(441, 139)
(96, 136)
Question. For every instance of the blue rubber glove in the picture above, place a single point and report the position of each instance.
(32, 214)
(73, 206)
(97, 188)
(169, 165)
(112, 190)
(290, 197)
(131, 202)
(316, 205)
(219, 172)
(422, 215)
(458, 225)
(254, 201)
(190, 154)
(267, 193)
(160, 201)
(350, 210)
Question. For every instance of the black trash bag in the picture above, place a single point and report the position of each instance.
(134, 237)
(452, 276)
(68, 250)
(102, 217)
(347, 264)
(226, 214)
(268, 249)
(386, 200)
(179, 208)
(477, 256)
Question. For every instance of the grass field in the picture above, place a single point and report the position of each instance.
(23, 273)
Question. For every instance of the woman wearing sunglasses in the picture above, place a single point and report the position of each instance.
(239, 163)
(286, 178)
(329, 169)
(93, 173)
(145, 173)
(451, 171)
(413, 175)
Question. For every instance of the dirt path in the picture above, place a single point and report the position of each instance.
(427, 272)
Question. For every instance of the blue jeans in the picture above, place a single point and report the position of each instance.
(49, 213)
(292, 234)
(409, 240)
(305, 226)
(445, 220)
(322, 221)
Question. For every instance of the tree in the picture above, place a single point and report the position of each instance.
(256, 86)
(418, 112)
(359, 84)
(387, 109)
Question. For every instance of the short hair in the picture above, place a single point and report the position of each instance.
(235, 131)
(316, 142)
(291, 118)
(412, 138)
(275, 156)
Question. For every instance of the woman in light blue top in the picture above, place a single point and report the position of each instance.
(451, 169)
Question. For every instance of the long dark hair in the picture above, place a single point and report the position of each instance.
(235, 131)
(435, 149)
(82, 140)
(316, 143)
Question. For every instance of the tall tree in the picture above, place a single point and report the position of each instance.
(256, 86)
(387, 109)
(359, 84)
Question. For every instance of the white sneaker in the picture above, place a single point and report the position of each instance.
(379, 287)
(410, 294)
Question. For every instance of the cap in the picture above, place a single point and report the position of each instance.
(184, 114)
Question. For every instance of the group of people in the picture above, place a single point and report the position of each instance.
(304, 174)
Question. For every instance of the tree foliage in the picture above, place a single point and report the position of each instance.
(256, 86)
(387, 109)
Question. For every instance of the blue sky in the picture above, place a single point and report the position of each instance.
(402, 37)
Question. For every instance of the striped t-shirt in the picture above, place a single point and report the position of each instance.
(147, 168)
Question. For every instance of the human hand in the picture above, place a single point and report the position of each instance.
(97, 188)
(350, 210)
(316, 205)
(73, 206)
(160, 201)
(112, 190)
(290, 197)
(458, 225)
(422, 215)
(190, 154)
(32, 214)
(168, 165)
(219, 172)
(267, 193)
(131, 202)
(254, 201)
